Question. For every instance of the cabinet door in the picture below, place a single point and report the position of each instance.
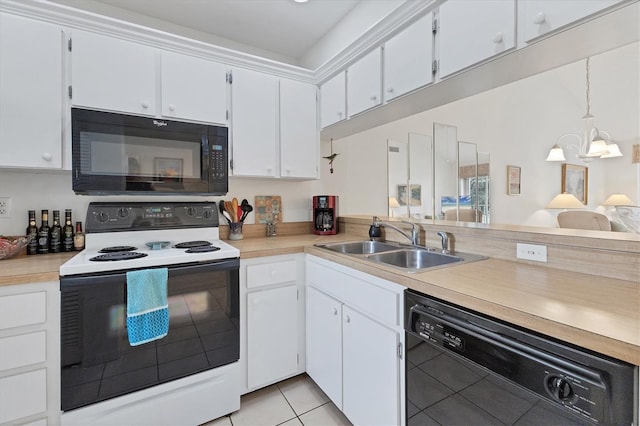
(272, 335)
(254, 101)
(299, 137)
(324, 343)
(113, 74)
(30, 93)
(364, 82)
(471, 31)
(193, 88)
(371, 371)
(333, 100)
(543, 16)
(408, 57)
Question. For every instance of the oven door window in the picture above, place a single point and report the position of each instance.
(98, 362)
(116, 153)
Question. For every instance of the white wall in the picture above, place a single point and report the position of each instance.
(33, 190)
(517, 124)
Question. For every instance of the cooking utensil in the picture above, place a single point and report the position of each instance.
(223, 212)
(246, 209)
(236, 212)
(229, 208)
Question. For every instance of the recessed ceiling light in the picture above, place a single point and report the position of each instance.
(300, 1)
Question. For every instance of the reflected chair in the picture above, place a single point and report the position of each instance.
(464, 215)
(583, 219)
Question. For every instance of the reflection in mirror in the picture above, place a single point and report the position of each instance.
(445, 140)
(410, 177)
(484, 186)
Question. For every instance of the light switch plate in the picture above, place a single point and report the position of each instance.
(531, 252)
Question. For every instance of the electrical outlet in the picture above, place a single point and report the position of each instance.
(531, 252)
(5, 207)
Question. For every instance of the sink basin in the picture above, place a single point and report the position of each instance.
(360, 247)
(414, 259)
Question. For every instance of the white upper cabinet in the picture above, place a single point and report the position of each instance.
(274, 126)
(543, 16)
(254, 117)
(299, 135)
(333, 100)
(117, 75)
(364, 82)
(473, 30)
(112, 74)
(408, 57)
(193, 88)
(30, 93)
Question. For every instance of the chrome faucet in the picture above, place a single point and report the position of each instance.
(414, 237)
(445, 241)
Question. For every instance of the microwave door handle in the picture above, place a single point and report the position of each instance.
(205, 171)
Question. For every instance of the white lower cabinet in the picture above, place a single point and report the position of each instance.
(30, 354)
(354, 355)
(272, 319)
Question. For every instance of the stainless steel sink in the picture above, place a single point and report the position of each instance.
(407, 258)
(360, 247)
(414, 259)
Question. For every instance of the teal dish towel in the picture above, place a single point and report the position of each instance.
(147, 307)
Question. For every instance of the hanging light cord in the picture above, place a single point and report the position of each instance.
(588, 91)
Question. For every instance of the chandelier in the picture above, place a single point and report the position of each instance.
(594, 143)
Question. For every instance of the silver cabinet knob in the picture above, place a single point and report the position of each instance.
(172, 107)
(335, 311)
(347, 319)
(46, 156)
(145, 105)
(374, 98)
(498, 38)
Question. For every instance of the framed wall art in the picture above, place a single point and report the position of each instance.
(514, 180)
(575, 180)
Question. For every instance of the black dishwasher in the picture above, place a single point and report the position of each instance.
(464, 368)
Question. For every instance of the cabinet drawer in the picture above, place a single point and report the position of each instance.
(377, 302)
(271, 273)
(23, 395)
(22, 309)
(25, 349)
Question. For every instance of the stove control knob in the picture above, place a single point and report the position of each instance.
(102, 217)
(123, 213)
(206, 214)
(191, 211)
(560, 388)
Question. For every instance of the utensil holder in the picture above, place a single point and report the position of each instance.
(271, 229)
(235, 231)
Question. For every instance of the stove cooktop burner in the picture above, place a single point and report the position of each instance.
(121, 255)
(202, 249)
(117, 249)
(190, 244)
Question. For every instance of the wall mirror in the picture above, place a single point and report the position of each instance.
(410, 182)
(462, 179)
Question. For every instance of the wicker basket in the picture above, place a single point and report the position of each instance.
(11, 246)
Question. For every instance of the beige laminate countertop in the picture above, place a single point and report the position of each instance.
(601, 314)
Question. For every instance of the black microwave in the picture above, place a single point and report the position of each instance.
(123, 154)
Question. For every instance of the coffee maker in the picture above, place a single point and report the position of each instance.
(325, 214)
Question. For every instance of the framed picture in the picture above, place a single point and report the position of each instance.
(575, 180)
(514, 175)
(413, 196)
(168, 167)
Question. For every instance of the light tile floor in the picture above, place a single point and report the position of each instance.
(293, 402)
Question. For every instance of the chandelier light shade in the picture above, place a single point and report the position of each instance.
(594, 143)
(565, 201)
(618, 200)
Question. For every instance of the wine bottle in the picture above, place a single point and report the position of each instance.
(44, 233)
(78, 238)
(55, 243)
(32, 231)
(67, 232)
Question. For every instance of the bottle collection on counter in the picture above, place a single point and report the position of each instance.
(55, 238)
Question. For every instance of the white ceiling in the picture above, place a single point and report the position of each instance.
(284, 27)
